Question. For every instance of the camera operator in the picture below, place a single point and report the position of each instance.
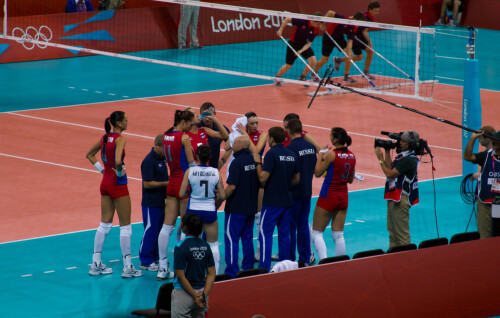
(401, 187)
(489, 184)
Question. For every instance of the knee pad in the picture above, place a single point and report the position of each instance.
(167, 229)
(105, 228)
(126, 230)
(315, 233)
(214, 246)
(337, 235)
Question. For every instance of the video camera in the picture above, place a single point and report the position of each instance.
(421, 148)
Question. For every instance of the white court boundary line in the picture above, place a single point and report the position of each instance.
(93, 229)
(219, 111)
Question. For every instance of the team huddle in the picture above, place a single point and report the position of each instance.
(350, 40)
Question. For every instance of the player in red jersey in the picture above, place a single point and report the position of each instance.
(307, 136)
(114, 193)
(199, 136)
(339, 165)
(179, 156)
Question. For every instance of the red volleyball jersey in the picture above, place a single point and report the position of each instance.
(255, 139)
(198, 139)
(287, 138)
(337, 175)
(108, 158)
(175, 156)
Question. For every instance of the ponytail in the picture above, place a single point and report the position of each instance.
(181, 115)
(341, 135)
(107, 128)
(114, 118)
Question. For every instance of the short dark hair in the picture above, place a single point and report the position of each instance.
(204, 153)
(373, 5)
(206, 106)
(291, 116)
(193, 224)
(277, 133)
(250, 114)
(359, 16)
(294, 126)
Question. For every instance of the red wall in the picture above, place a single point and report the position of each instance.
(459, 280)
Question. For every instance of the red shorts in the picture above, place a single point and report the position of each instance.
(173, 191)
(334, 204)
(114, 191)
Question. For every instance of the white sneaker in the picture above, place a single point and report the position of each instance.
(99, 269)
(275, 257)
(164, 273)
(277, 82)
(257, 255)
(131, 272)
(312, 259)
(153, 267)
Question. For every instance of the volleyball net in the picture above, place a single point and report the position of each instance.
(236, 40)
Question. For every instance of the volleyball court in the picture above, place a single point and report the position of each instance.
(44, 149)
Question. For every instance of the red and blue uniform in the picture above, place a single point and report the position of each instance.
(197, 139)
(176, 159)
(333, 195)
(286, 142)
(255, 139)
(111, 185)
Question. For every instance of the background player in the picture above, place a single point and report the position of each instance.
(203, 181)
(333, 198)
(199, 136)
(114, 193)
(301, 39)
(179, 156)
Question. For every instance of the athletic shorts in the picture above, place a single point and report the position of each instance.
(114, 191)
(357, 48)
(334, 204)
(207, 217)
(290, 55)
(173, 191)
(328, 45)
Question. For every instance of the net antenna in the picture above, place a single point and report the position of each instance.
(350, 60)
(383, 58)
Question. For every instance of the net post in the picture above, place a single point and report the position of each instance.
(417, 57)
(5, 18)
(471, 107)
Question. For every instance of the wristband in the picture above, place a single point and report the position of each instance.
(119, 174)
(99, 166)
(191, 164)
(258, 163)
(323, 151)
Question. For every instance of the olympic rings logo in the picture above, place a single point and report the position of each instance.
(43, 34)
(198, 255)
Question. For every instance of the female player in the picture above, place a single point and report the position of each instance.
(203, 181)
(179, 156)
(332, 202)
(114, 193)
(199, 136)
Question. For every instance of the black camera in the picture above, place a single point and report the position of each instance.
(420, 148)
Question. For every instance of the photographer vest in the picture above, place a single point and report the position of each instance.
(394, 188)
(489, 183)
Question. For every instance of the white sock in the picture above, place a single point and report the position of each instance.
(179, 233)
(125, 235)
(257, 227)
(214, 246)
(338, 237)
(319, 243)
(163, 239)
(100, 236)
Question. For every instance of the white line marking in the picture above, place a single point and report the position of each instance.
(48, 272)
(112, 94)
(114, 260)
(93, 229)
(349, 223)
(125, 96)
(134, 257)
(446, 102)
(71, 124)
(98, 92)
(71, 267)
(85, 90)
(447, 107)
(360, 221)
(280, 121)
(71, 87)
(27, 275)
(58, 164)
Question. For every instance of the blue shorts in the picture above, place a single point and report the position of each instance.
(207, 217)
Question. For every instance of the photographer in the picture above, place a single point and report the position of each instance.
(401, 187)
(489, 184)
